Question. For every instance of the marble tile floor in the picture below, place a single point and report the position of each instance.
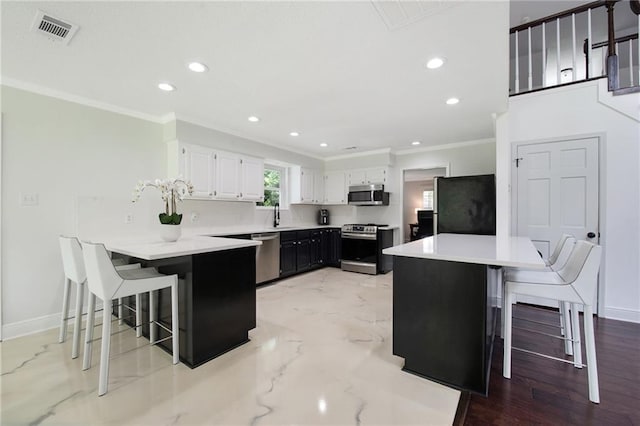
(320, 355)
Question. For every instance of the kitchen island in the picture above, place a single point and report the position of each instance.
(216, 291)
(445, 302)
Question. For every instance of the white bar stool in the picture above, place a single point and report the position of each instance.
(74, 271)
(556, 261)
(575, 283)
(108, 284)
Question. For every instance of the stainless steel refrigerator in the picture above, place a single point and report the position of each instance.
(465, 205)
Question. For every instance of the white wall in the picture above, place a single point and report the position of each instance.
(575, 110)
(61, 152)
(465, 158)
(83, 164)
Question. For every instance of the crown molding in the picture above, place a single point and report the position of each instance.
(222, 129)
(53, 93)
(359, 154)
(446, 146)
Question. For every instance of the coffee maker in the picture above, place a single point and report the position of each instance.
(323, 217)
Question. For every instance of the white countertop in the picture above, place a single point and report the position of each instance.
(196, 240)
(482, 249)
(153, 248)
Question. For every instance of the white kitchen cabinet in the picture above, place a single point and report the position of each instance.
(217, 175)
(368, 176)
(239, 177)
(252, 183)
(307, 186)
(335, 188)
(318, 187)
(199, 167)
(227, 176)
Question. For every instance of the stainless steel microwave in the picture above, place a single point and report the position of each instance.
(368, 195)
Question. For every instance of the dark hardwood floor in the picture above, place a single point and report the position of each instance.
(543, 391)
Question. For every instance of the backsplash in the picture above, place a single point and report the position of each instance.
(98, 216)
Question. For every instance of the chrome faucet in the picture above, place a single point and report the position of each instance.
(276, 214)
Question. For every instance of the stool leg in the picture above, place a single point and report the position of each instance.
(500, 285)
(175, 329)
(65, 311)
(138, 315)
(152, 323)
(566, 326)
(106, 346)
(577, 345)
(88, 339)
(592, 365)
(77, 323)
(120, 311)
(503, 310)
(506, 364)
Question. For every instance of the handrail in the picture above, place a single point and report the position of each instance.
(546, 19)
(618, 40)
(535, 69)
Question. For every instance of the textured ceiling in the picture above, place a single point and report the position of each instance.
(340, 73)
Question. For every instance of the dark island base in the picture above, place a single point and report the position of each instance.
(443, 321)
(217, 302)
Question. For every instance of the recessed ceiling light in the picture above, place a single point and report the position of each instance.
(324, 145)
(435, 63)
(197, 67)
(452, 101)
(415, 143)
(294, 134)
(253, 119)
(166, 87)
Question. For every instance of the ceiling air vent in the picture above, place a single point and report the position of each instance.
(54, 28)
(349, 148)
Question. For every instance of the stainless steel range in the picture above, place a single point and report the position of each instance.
(362, 247)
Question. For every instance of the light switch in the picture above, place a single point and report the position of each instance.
(29, 199)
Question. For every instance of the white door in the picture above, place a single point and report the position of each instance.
(557, 191)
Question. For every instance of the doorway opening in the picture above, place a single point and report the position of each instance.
(417, 202)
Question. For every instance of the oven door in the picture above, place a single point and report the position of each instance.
(359, 253)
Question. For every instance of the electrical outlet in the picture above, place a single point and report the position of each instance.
(128, 218)
(194, 217)
(29, 199)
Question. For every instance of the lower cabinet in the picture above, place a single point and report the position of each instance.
(288, 253)
(304, 250)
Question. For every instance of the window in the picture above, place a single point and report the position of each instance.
(274, 185)
(427, 200)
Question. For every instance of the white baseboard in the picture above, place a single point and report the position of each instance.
(36, 325)
(622, 314)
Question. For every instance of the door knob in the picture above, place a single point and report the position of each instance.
(591, 235)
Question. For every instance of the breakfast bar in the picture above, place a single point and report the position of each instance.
(217, 293)
(445, 302)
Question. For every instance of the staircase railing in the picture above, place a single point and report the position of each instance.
(559, 49)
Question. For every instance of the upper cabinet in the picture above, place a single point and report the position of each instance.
(335, 188)
(199, 168)
(218, 175)
(252, 178)
(368, 176)
(307, 186)
(227, 176)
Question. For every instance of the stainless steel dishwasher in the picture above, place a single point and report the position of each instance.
(267, 256)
